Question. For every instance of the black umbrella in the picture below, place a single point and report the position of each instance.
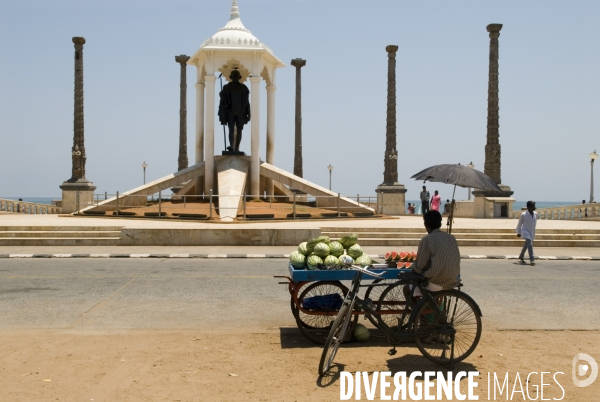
(459, 175)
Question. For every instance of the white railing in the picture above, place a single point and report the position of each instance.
(566, 212)
(25, 207)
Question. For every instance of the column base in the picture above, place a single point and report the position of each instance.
(77, 195)
(489, 205)
(391, 199)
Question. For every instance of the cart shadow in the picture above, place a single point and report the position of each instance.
(292, 338)
(413, 363)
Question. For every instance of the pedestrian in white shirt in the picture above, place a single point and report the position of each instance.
(526, 230)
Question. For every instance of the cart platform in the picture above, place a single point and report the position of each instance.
(307, 275)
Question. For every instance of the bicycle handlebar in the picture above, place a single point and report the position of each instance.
(366, 271)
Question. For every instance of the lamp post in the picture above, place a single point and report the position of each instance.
(330, 168)
(144, 166)
(593, 157)
(470, 165)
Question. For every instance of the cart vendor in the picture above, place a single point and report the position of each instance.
(438, 257)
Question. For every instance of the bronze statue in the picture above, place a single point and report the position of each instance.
(234, 108)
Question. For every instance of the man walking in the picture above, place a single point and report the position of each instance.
(424, 201)
(526, 230)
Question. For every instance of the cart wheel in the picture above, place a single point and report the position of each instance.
(374, 293)
(315, 327)
(293, 305)
(392, 298)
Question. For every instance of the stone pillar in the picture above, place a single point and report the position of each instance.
(298, 63)
(390, 193)
(209, 139)
(182, 161)
(199, 133)
(489, 204)
(270, 135)
(255, 145)
(77, 191)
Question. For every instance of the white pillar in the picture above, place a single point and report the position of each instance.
(270, 134)
(209, 149)
(199, 130)
(255, 145)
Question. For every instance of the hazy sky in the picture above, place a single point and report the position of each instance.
(549, 89)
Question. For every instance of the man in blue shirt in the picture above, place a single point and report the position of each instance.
(526, 230)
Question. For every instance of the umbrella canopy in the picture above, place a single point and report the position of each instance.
(459, 175)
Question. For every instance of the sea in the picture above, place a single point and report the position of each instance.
(517, 205)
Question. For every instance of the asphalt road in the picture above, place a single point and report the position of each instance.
(241, 294)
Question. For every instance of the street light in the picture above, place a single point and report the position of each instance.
(144, 166)
(593, 157)
(330, 170)
(470, 165)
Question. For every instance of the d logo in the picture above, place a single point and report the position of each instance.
(583, 369)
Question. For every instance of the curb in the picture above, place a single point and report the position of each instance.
(463, 257)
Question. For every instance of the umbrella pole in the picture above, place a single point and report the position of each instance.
(451, 216)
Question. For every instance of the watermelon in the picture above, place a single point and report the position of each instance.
(322, 250)
(310, 245)
(298, 260)
(363, 260)
(407, 264)
(336, 248)
(396, 256)
(349, 241)
(360, 333)
(388, 257)
(404, 256)
(414, 256)
(355, 251)
(331, 262)
(313, 261)
(302, 248)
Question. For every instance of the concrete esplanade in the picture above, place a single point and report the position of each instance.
(52, 235)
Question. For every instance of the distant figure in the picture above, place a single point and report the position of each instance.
(411, 209)
(234, 109)
(19, 205)
(447, 207)
(436, 200)
(424, 200)
(526, 229)
(585, 209)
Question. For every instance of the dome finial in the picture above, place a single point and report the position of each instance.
(235, 11)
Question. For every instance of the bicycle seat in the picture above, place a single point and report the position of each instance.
(412, 277)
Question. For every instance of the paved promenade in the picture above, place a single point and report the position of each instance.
(20, 220)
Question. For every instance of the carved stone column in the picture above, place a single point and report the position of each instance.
(390, 193)
(182, 161)
(493, 204)
(77, 191)
(298, 63)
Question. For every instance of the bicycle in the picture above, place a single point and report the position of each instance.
(446, 325)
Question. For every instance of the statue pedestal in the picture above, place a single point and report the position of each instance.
(233, 153)
(77, 195)
(390, 199)
(490, 205)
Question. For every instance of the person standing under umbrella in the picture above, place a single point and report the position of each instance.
(526, 230)
(436, 201)
(424, 201)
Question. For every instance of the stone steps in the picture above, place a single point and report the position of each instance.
(364, 241)
(60, 235)
(467, 236)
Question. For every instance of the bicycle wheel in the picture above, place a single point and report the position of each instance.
(292, 304)
(374, 293)
(315, 327)
(335, 338)
(458, 311)
(392, 298)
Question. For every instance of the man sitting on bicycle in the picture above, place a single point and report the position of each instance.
(438, 257)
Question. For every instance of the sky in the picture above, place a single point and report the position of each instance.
(548, 78)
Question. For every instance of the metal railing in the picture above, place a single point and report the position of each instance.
(566, 212)
(25, 207)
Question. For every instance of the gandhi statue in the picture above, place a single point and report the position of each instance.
(234, 109)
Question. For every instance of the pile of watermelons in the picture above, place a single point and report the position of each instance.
(403, 259)
(322, 253)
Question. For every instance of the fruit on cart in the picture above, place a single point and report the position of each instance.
(360, 333)
(336, 248)
(349, 241)
(321, 249)
(414, 256)
(310, 245)
(331, 262)
(404, 256)
(355, 251)
(298, 260)
(302, 248)
(313, 261)
(408, 264)
(391, 256)
(363, 260)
